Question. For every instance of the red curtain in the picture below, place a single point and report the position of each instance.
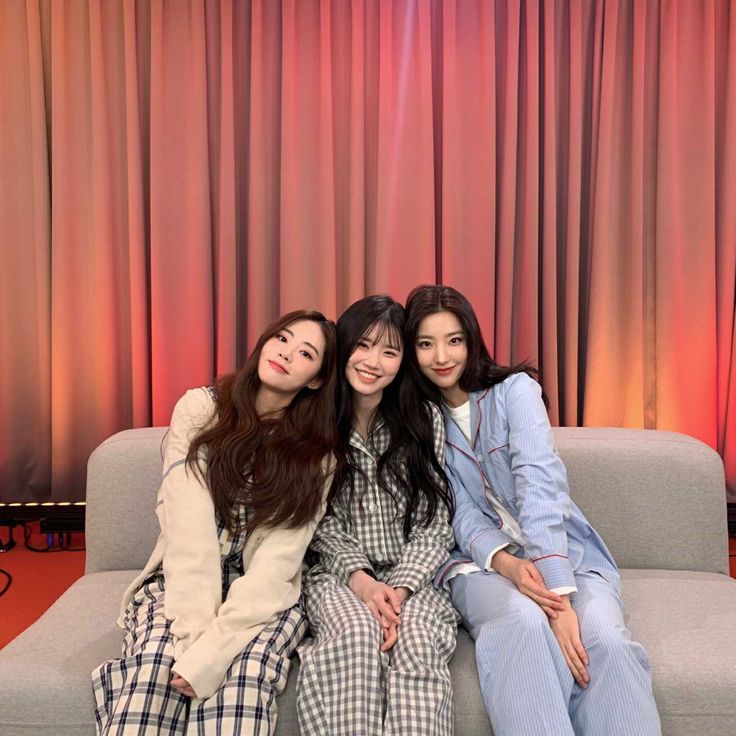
(176, 173)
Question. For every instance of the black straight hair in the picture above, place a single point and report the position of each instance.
(409, 460)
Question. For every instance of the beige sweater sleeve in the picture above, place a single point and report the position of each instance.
(271, 584)
(191, 558)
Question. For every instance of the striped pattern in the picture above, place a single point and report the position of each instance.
(526, 685)
(347, 687)
(133, 694)
(513, 453)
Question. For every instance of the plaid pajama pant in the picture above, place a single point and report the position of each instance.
(133, 695)
(348, 687)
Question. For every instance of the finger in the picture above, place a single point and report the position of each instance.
(391, 636)
(583, 676)
(580, 649)
(532, 589)
(544, 602)
(551, 613)
(387, 610)
(573, 669)
(393, 597)
(373, 608)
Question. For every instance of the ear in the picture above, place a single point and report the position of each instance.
(315, 384)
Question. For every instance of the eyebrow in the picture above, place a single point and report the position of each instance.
(449, 334)
(286, 329)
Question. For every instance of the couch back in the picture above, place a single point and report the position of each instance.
(657, 498)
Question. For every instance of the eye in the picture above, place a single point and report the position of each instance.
(424, 344)
(281, 337)
(362, 344)
(390, 353)
(307, 354)
(456, 341)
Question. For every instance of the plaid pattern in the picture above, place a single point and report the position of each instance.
(347, 687)
(133, 694)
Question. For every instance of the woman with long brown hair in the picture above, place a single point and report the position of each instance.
(211, 621)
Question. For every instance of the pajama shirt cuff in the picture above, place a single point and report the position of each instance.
(556, 571)
(407, 576)
(348, 564)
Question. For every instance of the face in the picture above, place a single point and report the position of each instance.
(374, 363)
(442, 352)
(292, 358)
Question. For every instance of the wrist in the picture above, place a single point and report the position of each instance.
(358, 580)
(502, 561)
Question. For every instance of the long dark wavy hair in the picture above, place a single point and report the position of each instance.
(273, 464)
(409, 460)
(481, 371)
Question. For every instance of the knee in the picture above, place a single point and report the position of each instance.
(608, 642)
(522, 622)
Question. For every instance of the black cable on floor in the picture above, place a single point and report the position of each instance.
(7, 582)
(63, 546)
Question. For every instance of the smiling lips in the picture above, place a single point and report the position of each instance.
(366, 377)
(278, 367)
(444, 371)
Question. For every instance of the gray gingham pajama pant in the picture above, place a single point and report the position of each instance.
(348, 687)
(133, 695)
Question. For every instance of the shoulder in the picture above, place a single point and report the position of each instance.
(514, 386)
(195, 408)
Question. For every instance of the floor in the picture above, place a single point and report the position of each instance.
(39, 578)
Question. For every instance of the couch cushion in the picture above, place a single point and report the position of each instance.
(687, 623)
(45, 673)
(45, 685)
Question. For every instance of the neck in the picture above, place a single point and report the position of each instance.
(455, 396)
(271, 402)
(365, 408)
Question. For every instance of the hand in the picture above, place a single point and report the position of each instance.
(567, 632)
(525, 576)
(391, 631)
(382, 600)
(182, 686)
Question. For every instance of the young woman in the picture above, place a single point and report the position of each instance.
(382, 634)
(211, 621)
(533, 581)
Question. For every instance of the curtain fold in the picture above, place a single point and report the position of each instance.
(178, 173)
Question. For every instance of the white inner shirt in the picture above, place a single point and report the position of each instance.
(461, 416)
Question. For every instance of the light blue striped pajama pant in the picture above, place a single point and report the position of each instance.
(526, 684)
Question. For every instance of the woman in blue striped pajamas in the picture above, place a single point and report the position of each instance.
(382, 633)
(213, 618)
(536, 586)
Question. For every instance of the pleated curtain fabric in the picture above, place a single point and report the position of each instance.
(176, 173)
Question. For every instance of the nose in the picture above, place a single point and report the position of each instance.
(440, 354)
(285, 355)
(373, 357)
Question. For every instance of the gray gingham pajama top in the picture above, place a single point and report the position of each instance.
(133, 695)
(347, 687)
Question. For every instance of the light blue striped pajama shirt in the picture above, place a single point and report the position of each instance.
(527, 687)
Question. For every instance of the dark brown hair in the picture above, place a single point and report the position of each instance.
(272, 464)
(481, 371)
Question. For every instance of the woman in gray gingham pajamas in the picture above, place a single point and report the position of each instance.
(382, 634)
(213, 618)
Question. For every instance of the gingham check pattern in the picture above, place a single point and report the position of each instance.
(347, 687)
(133, 694)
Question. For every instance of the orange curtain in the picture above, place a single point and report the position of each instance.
(176, 173)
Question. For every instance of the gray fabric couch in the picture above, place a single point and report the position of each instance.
(656, 497)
